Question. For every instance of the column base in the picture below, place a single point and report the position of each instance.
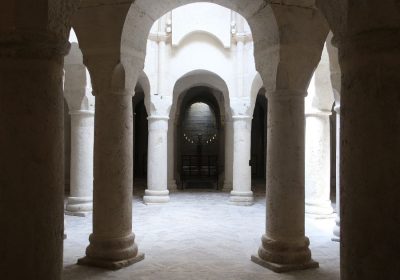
(335, 239)
(111, 252)
(241, 198)
(156, 197)
(321, 209)
(279, 268)
(336, 231)
(172, 186)
(285, 255)
(227, 187)
(79, 206)
(108, 264)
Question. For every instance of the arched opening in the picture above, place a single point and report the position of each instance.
(67, 148)
(199, 138)
(209, 88)
(259, 142)
(140, 140)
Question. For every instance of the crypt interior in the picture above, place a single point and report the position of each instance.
(237, 139)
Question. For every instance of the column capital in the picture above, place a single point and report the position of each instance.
(369, 42)
(317, 112)
(157, 118)
(241, 117)
(112, 92)
(81, 112)
(157, 123)
(286, 94)
(32, 44)
(159, 36)
(337, 108)
(242, 37)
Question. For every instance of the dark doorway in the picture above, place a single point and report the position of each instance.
(199, 138)
(140, 140)
(258, 142)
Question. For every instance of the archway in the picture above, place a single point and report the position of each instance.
(259, 142)
(258, 17)
(199, 136)
(140, 139)
(210, 88)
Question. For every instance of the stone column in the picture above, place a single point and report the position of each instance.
(228, 156)
(284, 245)
(317, 163)
(78, 94)
(336, 74)
(112, 243)
(336, 229)
(157, 161)
(172, 186)
(31, 145)
(82, 137)
(370, 146)
(241, 193)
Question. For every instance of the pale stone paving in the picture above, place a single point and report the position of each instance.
(198, 235)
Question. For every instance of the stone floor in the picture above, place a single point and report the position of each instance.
(198, 235)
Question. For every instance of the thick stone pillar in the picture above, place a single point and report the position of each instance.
(284, 245)
(157, 161)
(370, 145)
(31, 146)
(82, 137)
(112, 243)
(336, 229)
(228, 156)
(241, 193)
(317, 163)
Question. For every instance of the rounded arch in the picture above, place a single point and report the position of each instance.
(193, 33)
(216, 16)
(214, 37)
(260, 17)
(197, 78)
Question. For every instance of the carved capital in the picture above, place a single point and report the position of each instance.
(376, 41)
(23, 44)
(286, 94)
(47, 41)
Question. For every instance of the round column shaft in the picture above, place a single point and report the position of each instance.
(284, 245)
(172, 186)
(241, 193)
(157, 169)
(336, 229)
(31, 162)
(112, 243)
(370, 152)
(228, 157)
(80, 201)
(317, 163)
